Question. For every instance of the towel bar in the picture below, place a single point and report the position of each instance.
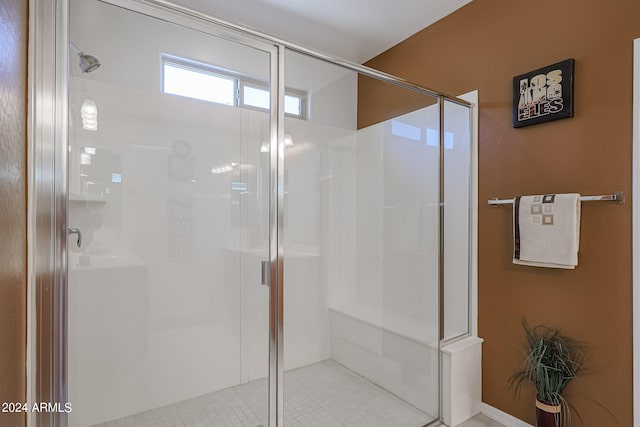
(615, 197)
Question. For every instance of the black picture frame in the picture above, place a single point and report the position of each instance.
(544, 94)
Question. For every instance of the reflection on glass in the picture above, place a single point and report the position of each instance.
(167, 317)
(361, 257)
(457, 158)
(89, 115)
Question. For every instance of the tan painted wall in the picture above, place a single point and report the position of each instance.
(483, 46)
(13, 295)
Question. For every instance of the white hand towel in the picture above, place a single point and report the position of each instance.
(546, 230)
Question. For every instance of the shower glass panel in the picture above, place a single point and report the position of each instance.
(167, 317)
(361, 311)
(457, 222)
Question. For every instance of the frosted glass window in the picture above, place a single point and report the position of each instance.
(206, 82)
(198, 84)
(255, 97)
(293, 105)
(259, 98)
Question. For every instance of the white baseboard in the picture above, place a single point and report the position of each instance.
(502, 417)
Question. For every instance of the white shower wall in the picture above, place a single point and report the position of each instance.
(168, 252)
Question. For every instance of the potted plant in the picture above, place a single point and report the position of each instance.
(551, 361)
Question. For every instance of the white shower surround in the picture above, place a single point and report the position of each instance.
(144, 332)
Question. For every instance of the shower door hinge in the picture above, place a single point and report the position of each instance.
(266, 270)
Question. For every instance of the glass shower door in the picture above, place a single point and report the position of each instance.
(169, 179)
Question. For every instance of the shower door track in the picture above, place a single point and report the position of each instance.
(48, 199)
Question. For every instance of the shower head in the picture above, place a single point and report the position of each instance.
(87, 63)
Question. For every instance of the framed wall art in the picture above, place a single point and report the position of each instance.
(544, 94)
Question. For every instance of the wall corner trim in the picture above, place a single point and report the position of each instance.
(502, 417)
(635, 216)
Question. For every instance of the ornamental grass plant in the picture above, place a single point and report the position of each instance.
(550, 361)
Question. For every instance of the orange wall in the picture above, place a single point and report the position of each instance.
(13, 295)
(483, 46)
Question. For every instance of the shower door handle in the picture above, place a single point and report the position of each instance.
(77, 231)
(266, 270)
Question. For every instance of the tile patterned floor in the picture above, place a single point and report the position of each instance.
(325, 394)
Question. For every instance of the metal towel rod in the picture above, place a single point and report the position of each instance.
(615, 197)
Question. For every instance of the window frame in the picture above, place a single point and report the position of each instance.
(198, 67)
(240, 82)
(295, 93)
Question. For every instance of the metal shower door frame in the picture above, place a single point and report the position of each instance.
(48, 202)
(48, 197)
(47, 209)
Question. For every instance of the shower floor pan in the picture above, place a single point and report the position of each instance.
(325, 394)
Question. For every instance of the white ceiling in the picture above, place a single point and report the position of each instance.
(356, 30)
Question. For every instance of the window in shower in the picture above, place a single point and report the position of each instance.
(192, 79)
(197, 82)
(253, 95)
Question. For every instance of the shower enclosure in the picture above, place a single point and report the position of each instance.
(231, 230)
